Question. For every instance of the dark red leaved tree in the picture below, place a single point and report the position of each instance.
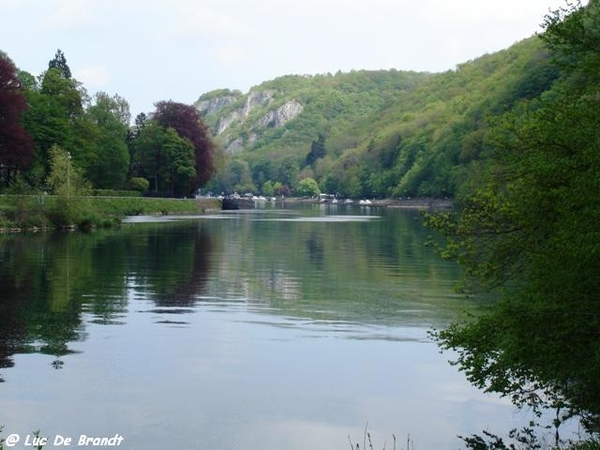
(16, 146)
(186, 121)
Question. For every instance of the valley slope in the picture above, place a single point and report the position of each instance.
(374, 134)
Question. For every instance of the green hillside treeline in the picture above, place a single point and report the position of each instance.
(376, 133)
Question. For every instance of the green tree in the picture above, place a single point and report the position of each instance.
(67, 182)
(186, 121)
(54, 117)
(239, 177)
(287, 171)
(268, 188)
(263, 171)
(65, 178)
(59, 62)
(148, 156)
(308, 187)
(317, 151)
(179, 167)
(529, 223)
(65, 93)
(108, 156)
(166, 158)
(139, 184)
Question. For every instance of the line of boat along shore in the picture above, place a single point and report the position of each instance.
(249, 201)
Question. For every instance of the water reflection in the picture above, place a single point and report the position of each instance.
(170, 264)
(50, 286)
(207, 332)
(350, 268)
(36, 309)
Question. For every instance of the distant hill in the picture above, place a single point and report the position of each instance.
(370, 133)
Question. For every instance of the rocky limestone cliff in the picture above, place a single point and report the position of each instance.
(279, 117)
(213, 106)
(229, 120)
(253, 100)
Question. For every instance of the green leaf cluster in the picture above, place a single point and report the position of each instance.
(55, 110)
(529, 223)
(93, 130)
(308, 187)
(167, 158)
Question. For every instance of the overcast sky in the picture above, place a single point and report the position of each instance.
(151, 50)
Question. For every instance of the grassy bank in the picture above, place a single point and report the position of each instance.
(31, 212)
(130, 206)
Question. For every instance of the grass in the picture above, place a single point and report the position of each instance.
(31, 212)
(368, 443)
(132, 206)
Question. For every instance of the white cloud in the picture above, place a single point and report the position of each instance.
(215, 21)
(477, 10)
(239, 43)
(230, 54)
(96, 77)
(69, 14)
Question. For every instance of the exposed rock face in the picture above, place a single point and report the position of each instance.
(235, 146)
(226, 121)
(238, 144)
(279, 117)
(213, 106)
(253, 114)
(255, 99)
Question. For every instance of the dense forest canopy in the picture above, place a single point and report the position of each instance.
(529, 222)
(53, 110)
(381, 133)
(358, 134)
(384, 133)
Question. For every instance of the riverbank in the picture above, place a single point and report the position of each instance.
(32, 213)
(40, 213)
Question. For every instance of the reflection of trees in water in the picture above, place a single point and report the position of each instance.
(36, 306)
(363, 268)
(314, 245)
(17, 282)
(171, 264)
(51, 287)
(191, 283)
(48, 283)
(12, 329)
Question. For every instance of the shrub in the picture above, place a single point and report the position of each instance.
(139, 184)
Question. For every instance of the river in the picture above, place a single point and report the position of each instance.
(272, 328)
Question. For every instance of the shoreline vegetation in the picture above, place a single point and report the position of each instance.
(38, 213)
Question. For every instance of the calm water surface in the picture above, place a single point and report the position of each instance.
(261, 329)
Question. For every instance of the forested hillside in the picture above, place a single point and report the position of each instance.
(370, 133)
(528, 225)
(359, 134)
